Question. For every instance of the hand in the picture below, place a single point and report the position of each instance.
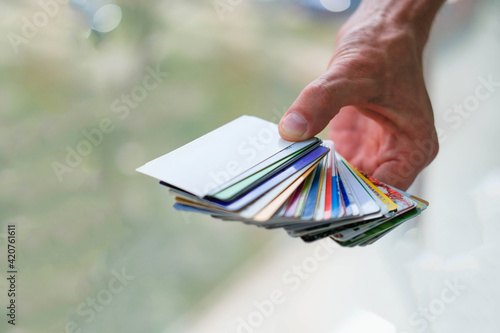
(375, 92)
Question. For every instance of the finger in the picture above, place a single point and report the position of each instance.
(317, 104)
(397, 174)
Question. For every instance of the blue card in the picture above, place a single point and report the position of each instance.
(336, 210)
(312, 197)
(348, 208)
(186, 208)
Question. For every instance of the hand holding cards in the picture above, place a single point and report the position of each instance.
(243, 171)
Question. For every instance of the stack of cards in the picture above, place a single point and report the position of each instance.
(243, 171)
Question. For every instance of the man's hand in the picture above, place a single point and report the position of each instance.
(375, 92)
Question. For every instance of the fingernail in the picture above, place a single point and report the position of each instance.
(294, 125)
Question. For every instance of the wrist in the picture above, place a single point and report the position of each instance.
(416, 16)
(413, 18)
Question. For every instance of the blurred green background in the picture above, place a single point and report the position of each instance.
(101, 215)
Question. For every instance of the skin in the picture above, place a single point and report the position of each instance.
(373, 93)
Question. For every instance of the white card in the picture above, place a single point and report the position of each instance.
(219, 156)
(368, 205)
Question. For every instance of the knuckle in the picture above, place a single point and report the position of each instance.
(319, 92)
(434, 150)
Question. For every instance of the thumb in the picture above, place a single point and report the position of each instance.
(316, 105)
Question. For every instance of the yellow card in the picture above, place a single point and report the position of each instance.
(384, 198)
